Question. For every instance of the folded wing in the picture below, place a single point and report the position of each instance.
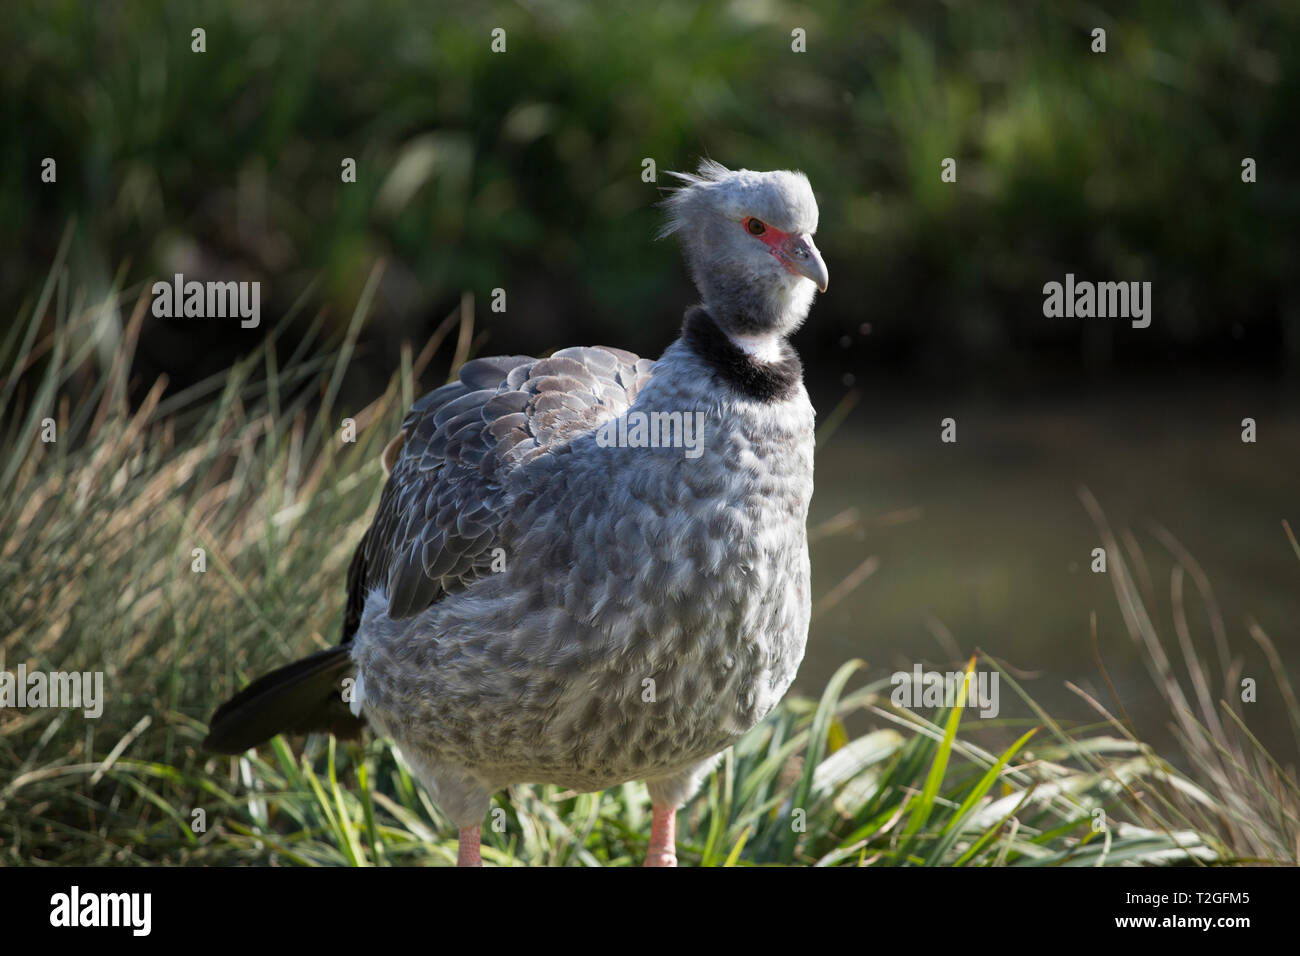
(440, 514)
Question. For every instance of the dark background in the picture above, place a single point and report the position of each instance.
(522, 170)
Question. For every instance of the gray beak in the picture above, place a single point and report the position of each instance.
(803, 257)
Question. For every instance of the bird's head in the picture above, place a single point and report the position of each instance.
(748, 242)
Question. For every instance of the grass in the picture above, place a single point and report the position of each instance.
(98, 532)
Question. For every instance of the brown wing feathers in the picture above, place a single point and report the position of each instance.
(440, 514)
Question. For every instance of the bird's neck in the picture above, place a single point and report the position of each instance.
(764, 367)
(756, 314)
(762, 347)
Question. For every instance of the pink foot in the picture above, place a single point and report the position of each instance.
(468, 850)
(663, 837)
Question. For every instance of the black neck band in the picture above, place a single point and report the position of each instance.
(764, 381)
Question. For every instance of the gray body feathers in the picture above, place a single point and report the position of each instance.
(652, 607)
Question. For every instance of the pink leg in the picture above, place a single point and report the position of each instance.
(468, 851)
(663, 837)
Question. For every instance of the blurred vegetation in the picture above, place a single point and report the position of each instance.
(522, 170)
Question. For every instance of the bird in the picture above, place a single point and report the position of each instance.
(589, 568)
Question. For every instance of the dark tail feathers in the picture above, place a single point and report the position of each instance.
(303, 697)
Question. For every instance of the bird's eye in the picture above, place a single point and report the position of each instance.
(754, 226)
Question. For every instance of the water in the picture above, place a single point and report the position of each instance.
(985, 543)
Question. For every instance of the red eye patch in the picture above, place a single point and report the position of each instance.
(761, 230)
(776, 240)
